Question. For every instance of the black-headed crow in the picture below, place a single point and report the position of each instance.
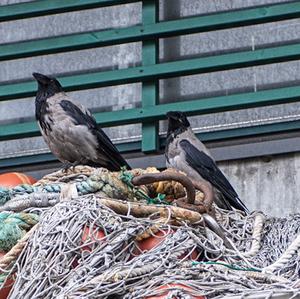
(70, 130)
(185, 152)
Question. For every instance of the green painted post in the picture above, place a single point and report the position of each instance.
(150, 88)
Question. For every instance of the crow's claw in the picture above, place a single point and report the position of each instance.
(66, 166)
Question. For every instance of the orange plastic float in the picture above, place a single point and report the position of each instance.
(13, 179)
(96, 235)
(172, 286)
(153, 241)
(9, 180)
(4, 291)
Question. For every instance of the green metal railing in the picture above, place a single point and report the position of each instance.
(149, 73)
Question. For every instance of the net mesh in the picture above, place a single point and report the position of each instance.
(83, 249)
(88, 246)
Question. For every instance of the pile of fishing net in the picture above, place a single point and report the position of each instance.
(95, 234)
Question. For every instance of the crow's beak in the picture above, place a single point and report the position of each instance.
(171, 115)
(41, 78)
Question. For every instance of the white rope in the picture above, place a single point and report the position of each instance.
(285, 257)
(257, 235)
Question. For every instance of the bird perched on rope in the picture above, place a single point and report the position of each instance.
(185, 152)
(70, 130)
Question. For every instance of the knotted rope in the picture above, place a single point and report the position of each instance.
(13, 227)
(238, 254)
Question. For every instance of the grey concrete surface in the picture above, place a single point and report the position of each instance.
(253, 179)
(270, 185)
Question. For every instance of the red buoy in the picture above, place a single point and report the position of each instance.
(166, 289)
(13, 179)
(6, 288)
(96, 235)
(153, 241)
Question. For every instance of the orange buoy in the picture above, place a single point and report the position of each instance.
(5, 289)
(13, 179)
(153, 241)
(96, 235)
(174, 286)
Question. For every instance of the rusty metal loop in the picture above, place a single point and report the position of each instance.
(207, 189)
(182, 203)
(149, 178)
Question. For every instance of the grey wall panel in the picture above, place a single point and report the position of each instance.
(271, 186)
(99, 99)
(199, 7)
(231, 40)
(97, 59)
(233, 81)
(73, 22)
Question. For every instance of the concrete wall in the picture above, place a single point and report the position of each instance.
(242, 173)
(269, 184)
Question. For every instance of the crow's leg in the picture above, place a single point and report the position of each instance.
(66, 166)
(74, 164)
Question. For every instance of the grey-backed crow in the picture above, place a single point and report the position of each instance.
(185, 152)
(70, 130)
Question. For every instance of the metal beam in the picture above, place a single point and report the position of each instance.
(39, 8)
(150, 93)
(155, 113)
(149, 31)
(160, 71)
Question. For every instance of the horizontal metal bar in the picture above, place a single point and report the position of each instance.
(241, 151)
(160, 71)
(155, 113)
(42, 7)
(153, 31)
(280, 127)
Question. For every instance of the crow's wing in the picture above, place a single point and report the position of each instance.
(208, 169)
(82, 116)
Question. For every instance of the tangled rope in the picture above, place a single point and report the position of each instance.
(68, 270)
(100, 181)
(89, 244)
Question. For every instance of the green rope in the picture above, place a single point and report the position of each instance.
(13, 227)
(126, 177)
(232, 267)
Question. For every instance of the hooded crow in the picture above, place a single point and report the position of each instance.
(185, 152)
(70, 130)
